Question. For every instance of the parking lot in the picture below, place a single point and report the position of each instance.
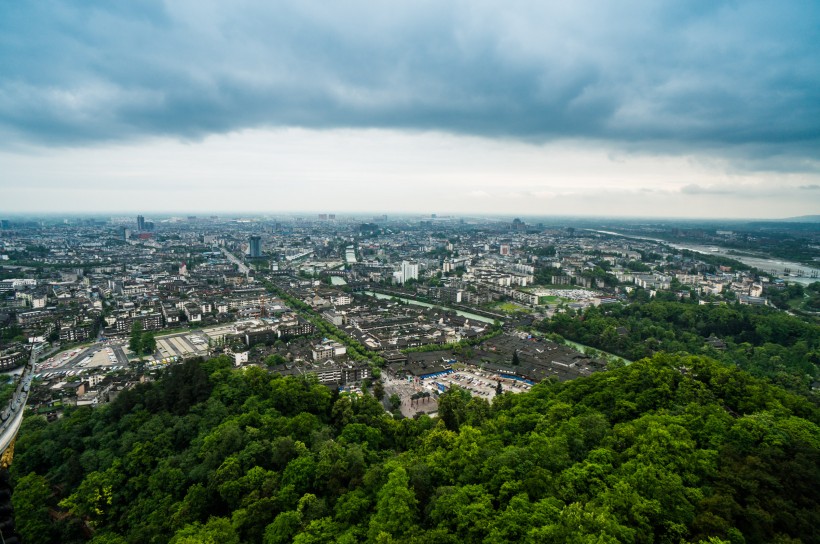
(104, 357)
(406, 390)
(479, 382)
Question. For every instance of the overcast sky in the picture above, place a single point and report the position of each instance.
(680, 109)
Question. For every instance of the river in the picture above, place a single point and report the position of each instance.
(775, 267)
(462, 313)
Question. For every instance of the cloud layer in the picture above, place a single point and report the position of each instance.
(388, 171)
(741, 78)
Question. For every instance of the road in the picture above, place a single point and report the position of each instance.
(13, 413)
(238, 262)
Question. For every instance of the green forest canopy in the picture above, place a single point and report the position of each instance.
(670, 449)
(766, 342)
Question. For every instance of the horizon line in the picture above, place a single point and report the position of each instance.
(222, 214)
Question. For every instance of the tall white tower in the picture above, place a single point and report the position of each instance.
(409, 271)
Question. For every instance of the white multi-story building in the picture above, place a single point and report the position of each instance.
(409, 271)
(328, 349)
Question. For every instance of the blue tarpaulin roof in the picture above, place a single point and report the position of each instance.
(517, 378)
(436, 374)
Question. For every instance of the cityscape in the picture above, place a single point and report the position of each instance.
(447, 272)
(405, 310)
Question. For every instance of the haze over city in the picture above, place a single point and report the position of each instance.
(711, 109)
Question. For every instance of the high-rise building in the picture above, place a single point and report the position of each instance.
(255, 247)
(140, 223)
(409, 271)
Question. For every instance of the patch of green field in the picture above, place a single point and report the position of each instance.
(796, 303)
(510, 307)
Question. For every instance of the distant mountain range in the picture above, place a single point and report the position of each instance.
(800, 219)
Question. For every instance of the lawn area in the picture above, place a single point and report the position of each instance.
(797, 303)
(549, 299)
(510, 307)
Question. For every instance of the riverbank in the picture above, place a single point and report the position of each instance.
(770, 265)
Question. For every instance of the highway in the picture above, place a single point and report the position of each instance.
(12, 414)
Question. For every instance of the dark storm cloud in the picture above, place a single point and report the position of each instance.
(703, 75)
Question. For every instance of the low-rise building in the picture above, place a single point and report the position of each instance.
(193, 313)
(327, 350)
(13, 356)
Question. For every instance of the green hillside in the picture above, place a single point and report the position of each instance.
(669, 449)
(764, 341)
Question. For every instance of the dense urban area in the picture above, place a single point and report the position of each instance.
(420, 379)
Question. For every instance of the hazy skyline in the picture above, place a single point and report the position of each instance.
(710, 109)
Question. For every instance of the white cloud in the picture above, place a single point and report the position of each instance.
(391, 171)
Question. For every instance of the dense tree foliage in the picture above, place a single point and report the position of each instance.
(673, 449)
(766, 342)
(141, 343)
(797, 297)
